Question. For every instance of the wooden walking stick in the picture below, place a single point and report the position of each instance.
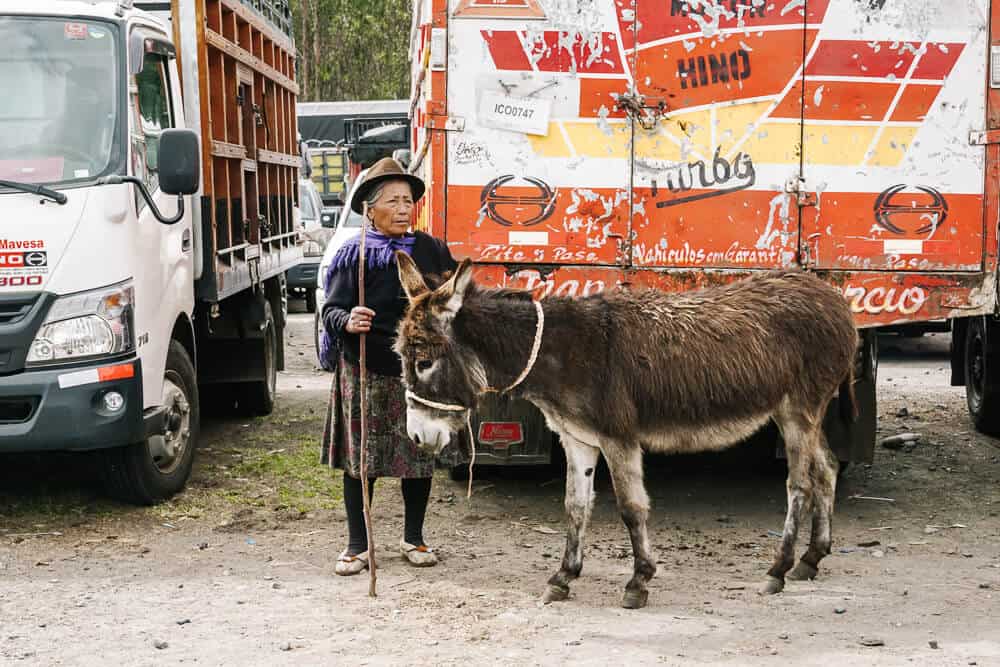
(366, 501)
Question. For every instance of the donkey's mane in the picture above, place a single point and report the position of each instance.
(509, 293)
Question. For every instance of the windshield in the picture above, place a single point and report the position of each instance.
(306, 204)
(59, 125)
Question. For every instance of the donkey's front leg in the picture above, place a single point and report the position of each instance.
(581, 461)
(625, 463)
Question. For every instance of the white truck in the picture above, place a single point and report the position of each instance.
(148, 185)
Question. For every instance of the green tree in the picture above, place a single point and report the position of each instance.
(353, 49)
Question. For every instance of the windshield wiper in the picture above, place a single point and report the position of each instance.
(40, 190)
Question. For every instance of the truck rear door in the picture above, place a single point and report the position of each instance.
(539, 174)
(717, 111)
(891, 94)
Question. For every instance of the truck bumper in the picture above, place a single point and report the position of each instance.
(303, 275)
(64, 409)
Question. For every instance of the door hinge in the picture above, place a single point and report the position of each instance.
(796, 185)
(446, 123)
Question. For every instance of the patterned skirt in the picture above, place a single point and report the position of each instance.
(391, 453)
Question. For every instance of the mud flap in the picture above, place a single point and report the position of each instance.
(855, 442)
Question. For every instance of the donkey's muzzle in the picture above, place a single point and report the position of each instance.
(429, 434)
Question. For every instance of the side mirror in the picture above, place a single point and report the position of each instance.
(328, 220)
(180, 162)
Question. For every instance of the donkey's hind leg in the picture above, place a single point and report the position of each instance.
(625, 464)
(824, 477)
(581, 463)
(800, 434)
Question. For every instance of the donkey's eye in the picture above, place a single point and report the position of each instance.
(424, 364)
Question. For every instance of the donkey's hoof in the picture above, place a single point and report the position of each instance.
(771, 586)
(803, 571)
(555, 594)
(635, 599)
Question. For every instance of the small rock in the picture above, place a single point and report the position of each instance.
(967, 554)
(839, 610)
(899, 441)
(184, 621)
(774, 651)
(878, 553)
(723, 519)
(277, 586)
(145, 550)
(933, 643)
(984, 586)
(160, 645)
(871, 641)
(869, 543)
(575, 642)
(783, 635)
(903, 412)
(286, 647)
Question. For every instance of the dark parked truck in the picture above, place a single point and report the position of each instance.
(148, 179)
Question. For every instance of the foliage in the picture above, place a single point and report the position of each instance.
(353, 49)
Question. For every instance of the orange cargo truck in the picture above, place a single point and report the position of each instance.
(677, 144)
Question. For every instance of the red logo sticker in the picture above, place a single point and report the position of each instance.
(501, 434)
(75, 30)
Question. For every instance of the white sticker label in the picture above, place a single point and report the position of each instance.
(516, 114)
(79, 378)
(903, 247)
(528, 238)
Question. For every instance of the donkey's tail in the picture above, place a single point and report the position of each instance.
(847, 402)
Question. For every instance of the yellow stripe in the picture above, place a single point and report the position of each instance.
(892, 146)
(769, 143)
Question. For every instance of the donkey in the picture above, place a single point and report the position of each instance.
(624, 372)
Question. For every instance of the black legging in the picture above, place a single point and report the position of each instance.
(416, 493)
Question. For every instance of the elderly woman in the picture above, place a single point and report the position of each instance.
(390, 194)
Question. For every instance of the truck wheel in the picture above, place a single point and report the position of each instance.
(257, 397)
(982, 390)
(310, 301)
(151, 471)
(459, 473)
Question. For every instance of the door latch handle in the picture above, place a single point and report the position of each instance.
(647, 111)
(186, 241)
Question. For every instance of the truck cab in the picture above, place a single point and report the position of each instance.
(102, 248)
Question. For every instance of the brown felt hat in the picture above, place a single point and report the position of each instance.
(386, 169)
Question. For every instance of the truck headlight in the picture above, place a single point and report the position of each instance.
(98, 323)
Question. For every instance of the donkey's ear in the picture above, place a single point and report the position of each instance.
(454, 289)
(410, 276)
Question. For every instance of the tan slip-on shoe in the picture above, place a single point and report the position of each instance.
(348, 565)
(422, 556)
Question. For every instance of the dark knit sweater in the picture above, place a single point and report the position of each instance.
(383, 294)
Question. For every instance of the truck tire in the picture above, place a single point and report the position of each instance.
(149, 472)
(982, 382)
(257, 398)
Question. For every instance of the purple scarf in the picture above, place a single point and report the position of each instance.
(381, 252)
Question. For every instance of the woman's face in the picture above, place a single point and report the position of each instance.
(392, 211)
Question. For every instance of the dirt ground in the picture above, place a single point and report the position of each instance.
(239, 569)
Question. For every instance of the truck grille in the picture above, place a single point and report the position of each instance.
(17, 409)
(15, 309)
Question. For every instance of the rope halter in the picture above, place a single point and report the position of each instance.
(532, 358)
(451, 407)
